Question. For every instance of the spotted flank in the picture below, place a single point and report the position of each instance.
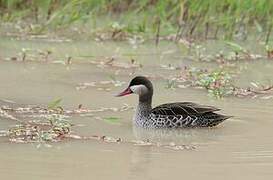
(185, 115)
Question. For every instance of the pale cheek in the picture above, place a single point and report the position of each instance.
(137, 91)
(140, 90)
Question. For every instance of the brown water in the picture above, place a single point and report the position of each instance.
(240, 148)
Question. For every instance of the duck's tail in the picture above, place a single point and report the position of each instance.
(213, 119)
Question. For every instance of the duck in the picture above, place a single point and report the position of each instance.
(169, 115)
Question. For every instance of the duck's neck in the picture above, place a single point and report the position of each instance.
(143, 110)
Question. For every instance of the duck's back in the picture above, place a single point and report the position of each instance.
(184, 115)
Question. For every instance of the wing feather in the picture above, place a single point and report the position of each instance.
(183, 108)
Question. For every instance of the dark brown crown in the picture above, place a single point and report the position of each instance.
(141, 80)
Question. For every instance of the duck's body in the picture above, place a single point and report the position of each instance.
(172, 115)
(177, 115)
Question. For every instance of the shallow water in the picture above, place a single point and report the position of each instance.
(240, 148)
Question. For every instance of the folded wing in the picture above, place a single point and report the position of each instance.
(183, 108)
(187, 114)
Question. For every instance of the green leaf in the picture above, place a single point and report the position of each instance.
(113, 120)
(258, 26)
(54, 104)
(235, 47)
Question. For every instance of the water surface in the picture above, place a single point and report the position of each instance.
(240, 148)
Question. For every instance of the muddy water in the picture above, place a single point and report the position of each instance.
(240, 148)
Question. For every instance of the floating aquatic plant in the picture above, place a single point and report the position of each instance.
(218, 83)
(57, 128)
(269, 51)
(51, 131)
(171, 84)
(100, 85)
